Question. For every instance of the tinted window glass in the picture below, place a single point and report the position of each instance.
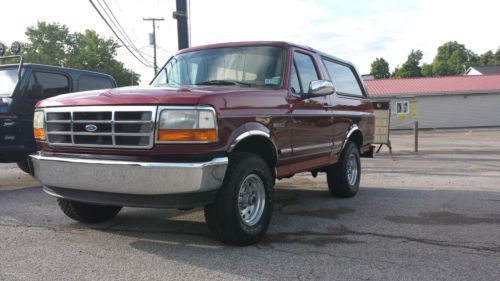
(91, 82)
(343, 79)
(306, 69)
(8, 81)
(294, 81)
(44, 85)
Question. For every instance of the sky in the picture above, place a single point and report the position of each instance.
(357, 31)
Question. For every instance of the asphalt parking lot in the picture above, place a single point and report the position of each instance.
(432, 215)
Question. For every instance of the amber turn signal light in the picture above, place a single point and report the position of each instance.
(39, 133)
(198, 135)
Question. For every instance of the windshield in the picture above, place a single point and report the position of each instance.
(8, 81)
(244, 66)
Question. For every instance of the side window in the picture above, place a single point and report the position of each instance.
(343, 79)
(294, 81)
(44, 85)
(92, 82)
(306, 70)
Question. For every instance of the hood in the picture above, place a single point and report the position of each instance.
(139, 95)
(126, 96)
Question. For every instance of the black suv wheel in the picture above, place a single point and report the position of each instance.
(243, 208)
(343, 177)
(88, 213)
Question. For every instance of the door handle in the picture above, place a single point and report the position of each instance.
(327, 106)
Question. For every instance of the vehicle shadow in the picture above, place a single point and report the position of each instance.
(305, 222)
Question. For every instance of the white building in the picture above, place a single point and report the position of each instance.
(440, 102)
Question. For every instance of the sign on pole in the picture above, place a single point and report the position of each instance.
(382, 124)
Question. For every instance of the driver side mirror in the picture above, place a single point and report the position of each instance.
(319, 88)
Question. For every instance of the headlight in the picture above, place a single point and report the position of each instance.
(187, 125)
(38, 128)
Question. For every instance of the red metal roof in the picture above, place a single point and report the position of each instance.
(433, 85)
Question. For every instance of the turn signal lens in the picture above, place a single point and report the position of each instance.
(198, 135)
(38, 128)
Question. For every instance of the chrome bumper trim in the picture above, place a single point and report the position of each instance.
(128, 177)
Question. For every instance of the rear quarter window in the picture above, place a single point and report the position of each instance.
(44, 85)
(92, 82)
(343, 78)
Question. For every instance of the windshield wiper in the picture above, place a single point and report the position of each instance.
(224, 82)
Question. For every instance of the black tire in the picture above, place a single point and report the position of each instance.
(87, 213)
(23, 165)
(339, 183)
(223, 216)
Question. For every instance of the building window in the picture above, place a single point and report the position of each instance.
(402, 107)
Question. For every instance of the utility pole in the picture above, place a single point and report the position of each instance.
(152, 41)
(181, 15)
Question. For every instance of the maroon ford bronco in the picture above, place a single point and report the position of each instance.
(218, 125)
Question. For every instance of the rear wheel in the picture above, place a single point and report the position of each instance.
(88, 213)
(343, 177)
(243, 208)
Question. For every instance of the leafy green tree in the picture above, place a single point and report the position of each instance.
(48, 44)
(380, 69)
(52, 43)
(411, 67)
(92, 52)
(487, 59)
(427, 70)
(452, 59)
(490, 59)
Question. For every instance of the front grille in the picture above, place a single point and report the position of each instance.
(101, 126)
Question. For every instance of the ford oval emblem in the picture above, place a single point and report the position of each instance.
(90, 128)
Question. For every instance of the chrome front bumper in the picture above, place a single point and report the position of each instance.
(124, 177)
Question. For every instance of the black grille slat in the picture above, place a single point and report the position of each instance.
(59, 116)
(106, 115)
(115, 127)
(132, 140)
(59, 127)
(61, 139)
(97, 140)
(136, 116)
(133, 127)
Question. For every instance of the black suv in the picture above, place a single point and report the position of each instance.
(21, 88)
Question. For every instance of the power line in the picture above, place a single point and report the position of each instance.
(120, 28)
(114, 32)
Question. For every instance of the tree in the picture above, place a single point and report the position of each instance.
(92, 52)
(48, 44)
(411, 67)
(453, 59)
(52, 43)
(380, 69)
(490, 59)
(426, 70)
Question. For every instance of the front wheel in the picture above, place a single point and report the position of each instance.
(243, 208)
(343, 177)
(23, 165)
(88, 213)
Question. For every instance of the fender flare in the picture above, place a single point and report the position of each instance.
(351, 131)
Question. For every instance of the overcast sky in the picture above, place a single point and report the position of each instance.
(358, 31)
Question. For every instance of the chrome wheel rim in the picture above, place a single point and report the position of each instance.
(251, 199)
(352, 169)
